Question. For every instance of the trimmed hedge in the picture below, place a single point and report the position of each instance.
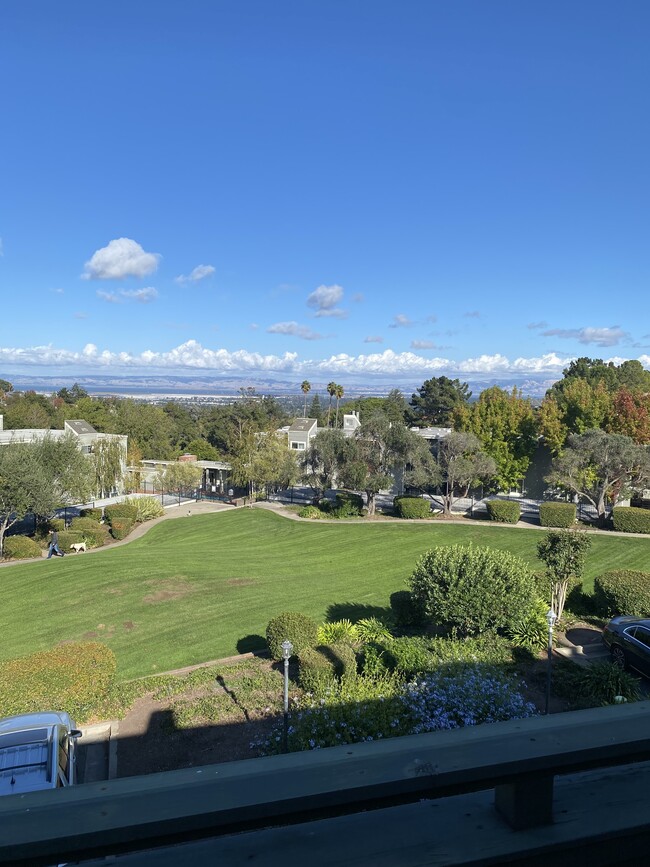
(505, 511)
(405, 609)
(121, 527)
(95, 514)
(21, 548)
(75, 677)
(121, 511)
(622, 592)
(412, 507)
(320, 668)
(300, 629)
(629, 519)
(95, 537)
(84, 524)
(557, 514)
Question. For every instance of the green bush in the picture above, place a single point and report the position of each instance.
(95, 537)
(310, 512)
(67, 538)
(95, 514)
(84, 524)
(321, 667)
(74, 677)
(341, 631)
(596, 685)
(531, 632)
(406, 611)
(326, 505)
(300, 629)
(348, 505)
(21, 548)
(505, 511)
(412, 507)
(408, 656)
(120, 511)
(57, 524)
(146, 508)
(628, 519)
(622, 592)
(557, 514)
(472, 589)
(417, 655)
(121, 527)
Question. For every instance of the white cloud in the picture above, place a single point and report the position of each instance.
(422, 344)
(599, 336)
(144, 296)
(325, 298)
(121, 258)
(295, 330)
(335, 312)
(400, 320)
(198, 273)
(373, 339)
(111, 297)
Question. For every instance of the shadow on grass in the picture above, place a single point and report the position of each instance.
(251, 644)
(356, 611)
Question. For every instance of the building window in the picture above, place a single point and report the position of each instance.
(299, 446)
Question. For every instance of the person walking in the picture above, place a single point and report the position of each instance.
(54, 545)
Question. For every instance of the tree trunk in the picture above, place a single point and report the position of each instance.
(371, 502)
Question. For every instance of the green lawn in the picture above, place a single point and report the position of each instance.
(201, 588)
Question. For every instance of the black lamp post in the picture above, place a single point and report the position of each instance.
(287, 648)
(551, 617)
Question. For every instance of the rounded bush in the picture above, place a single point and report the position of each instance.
(348, 505)
(121, 527)
(120, 511)
(628, 519)
(300, 629)
(20, 548)
(68, 537)
(84, 524)
(95, 537)
(320, 668)
(95, 514)
(505, 511)
(557, 514)
(472, 589)
(408, 656)
(310, 512)
(57, 524)
(622, 592)
(412, 507)
(405, 609)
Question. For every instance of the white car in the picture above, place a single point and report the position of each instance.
(37, 751)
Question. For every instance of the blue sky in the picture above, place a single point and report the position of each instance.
(326, 190)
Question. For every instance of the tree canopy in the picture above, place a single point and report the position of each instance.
(436, 400)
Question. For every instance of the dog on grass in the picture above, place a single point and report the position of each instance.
(77, 547)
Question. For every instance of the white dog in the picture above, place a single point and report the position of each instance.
(77, 547)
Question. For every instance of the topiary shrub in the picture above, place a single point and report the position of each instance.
(20, 548)
(320, 668)
(310, 512)
(505, 511)
(300, 629)
(120, 511)
(557, 514)
(406, 611)
(412, 507)
(121, 527)
(622, 592)
(95, 514)
(628, 519)
(74, 677)
(472, 589)
(146, 508)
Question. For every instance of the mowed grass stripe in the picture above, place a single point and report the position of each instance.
(198, 588)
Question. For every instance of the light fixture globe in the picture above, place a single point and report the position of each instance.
(551, 618)
(287, 648)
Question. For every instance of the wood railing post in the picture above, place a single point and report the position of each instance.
(526, 803)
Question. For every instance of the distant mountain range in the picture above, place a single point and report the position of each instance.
(231, 385)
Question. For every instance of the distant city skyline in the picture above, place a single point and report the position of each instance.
(368, 192)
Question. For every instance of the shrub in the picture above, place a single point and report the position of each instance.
(348, 505)
(408, 656)
(121, 527)
(20, 548)
(57, 524)
(628, 519)
(412, 507)
(67, 538)
(597, 684)
(84, 524)
(301, 630)
(146, 508)
(310, 512)
(343, 631)
(321, 667)
(472, 589)
(95, 514)
(325, 505)
(531, 632)
(95, 537)
(120, 511)
(622, 592)
(75, 677)
(557, 514)
(417, 655)
(372, 629)
(405, 609)
(505, 511)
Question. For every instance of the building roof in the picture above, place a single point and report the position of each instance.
(79, 426)
(303, 424)
(432, 433)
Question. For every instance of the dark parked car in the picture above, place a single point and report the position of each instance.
(628, 639)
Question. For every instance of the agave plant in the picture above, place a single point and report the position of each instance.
(341, 630)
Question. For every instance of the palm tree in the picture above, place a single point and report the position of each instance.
(331, 390)
(305, 388)
(338, 392)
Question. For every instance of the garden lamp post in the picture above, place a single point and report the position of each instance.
(551, 617)
(287, 648)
